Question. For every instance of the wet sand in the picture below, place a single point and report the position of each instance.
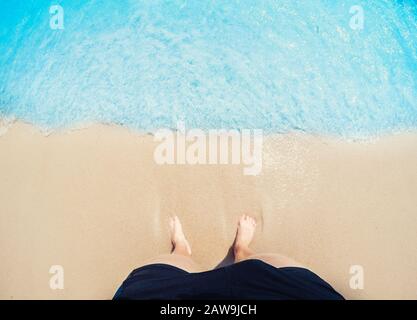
(95, 202)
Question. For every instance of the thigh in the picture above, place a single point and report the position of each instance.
(183, 262)
(257, 278)
(276, 260)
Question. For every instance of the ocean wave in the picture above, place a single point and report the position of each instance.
(280, 66)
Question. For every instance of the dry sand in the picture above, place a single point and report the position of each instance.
(94, 201)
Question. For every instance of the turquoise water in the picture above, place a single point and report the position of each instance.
(278, 65)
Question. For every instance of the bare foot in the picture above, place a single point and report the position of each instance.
(244, 235)
(179, 242)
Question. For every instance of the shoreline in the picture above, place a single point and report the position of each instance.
(6, 124)
(94, 201)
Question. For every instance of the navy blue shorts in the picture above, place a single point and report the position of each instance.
(249, 279)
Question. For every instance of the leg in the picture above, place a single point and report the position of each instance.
(245, 231)
(180, 256)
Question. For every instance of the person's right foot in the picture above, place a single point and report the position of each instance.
(245, 231)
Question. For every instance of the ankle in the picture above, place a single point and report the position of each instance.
(239, 250)
(181, 248)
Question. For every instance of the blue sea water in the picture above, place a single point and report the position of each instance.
(279, 65)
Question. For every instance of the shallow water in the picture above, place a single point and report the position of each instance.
(278, 65)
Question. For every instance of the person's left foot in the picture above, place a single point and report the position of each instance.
(179, 242)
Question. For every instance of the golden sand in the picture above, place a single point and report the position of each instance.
(95, 202)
